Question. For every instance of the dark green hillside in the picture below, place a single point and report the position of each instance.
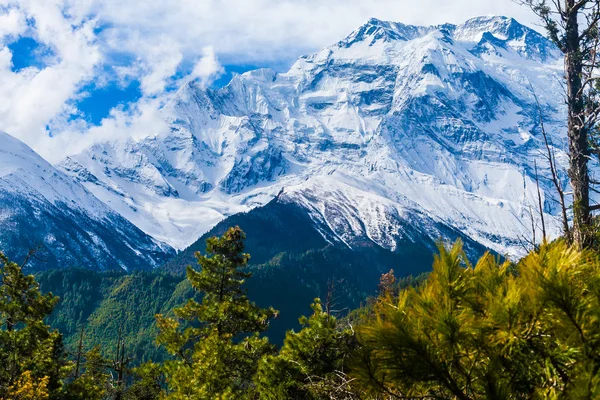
(293, 263)
(107, 302)
(270, 230)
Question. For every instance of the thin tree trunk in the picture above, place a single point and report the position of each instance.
(577, 132)
(540, 204)
(79, 352)
(553, 170)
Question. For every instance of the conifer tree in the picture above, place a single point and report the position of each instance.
(217, 352)
(92, 384)
(310, 364)
(484, 332)
(28, 388)
(31, 355)
(148, 383)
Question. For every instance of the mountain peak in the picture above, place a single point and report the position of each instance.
(434, 119)
(14, 155)
(375, 30)
(525, 40)
(11, 144)
(484, 20)
(500, 32)
(41, 205)
(501, 27)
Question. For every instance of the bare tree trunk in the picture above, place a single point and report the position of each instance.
(579, 45)
(120, 366)
(554, 172)
(577, 132)
(540, 204)
(79, 352)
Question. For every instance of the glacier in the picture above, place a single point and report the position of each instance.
(395, 124)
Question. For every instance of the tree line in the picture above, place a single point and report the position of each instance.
(487, 330)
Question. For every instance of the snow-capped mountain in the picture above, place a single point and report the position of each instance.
(41, 206)
(433, 126)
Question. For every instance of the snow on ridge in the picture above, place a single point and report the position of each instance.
(15, 155)
(41, 205)
(438, 121)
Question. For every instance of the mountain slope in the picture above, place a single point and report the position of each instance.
(41, 206)
(439, 122)
(295, 258)
(111, 303)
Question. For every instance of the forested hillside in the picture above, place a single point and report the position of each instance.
(110, 304)
(294, 260)
(469, 331)
(292, 263)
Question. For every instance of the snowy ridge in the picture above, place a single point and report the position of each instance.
(41, 206)
(436, 126)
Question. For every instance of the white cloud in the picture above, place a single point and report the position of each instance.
(163, 39)
(31, 98)
(160, 63)
(208, 67)
(140, 119)
(5, 59)
(267, 29)
(12, 23)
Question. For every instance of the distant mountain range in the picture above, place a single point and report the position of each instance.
(390, 139)
(395, 123)
(43, 209)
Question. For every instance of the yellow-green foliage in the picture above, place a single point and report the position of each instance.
(28, 388)
(31, 362)
(486, 331)
(92, 384)
(310, 365)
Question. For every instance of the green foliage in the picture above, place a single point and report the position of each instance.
(366, 311)
(30, 354)
(493, 330)
(92, 384)
(474, 332)
(310, 363)
(288, 274)
(112, 302)
(148, 383)
(218, 350)
(292, 262)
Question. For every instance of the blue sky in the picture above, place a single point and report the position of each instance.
(27, 52)
(97, 100)
(100, 100)
(75, 72)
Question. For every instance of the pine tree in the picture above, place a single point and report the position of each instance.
(92, 384)
(486, 332)
(28, 388)
(219, 348)
(148, 383)
(310, 364)
(30, 353)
